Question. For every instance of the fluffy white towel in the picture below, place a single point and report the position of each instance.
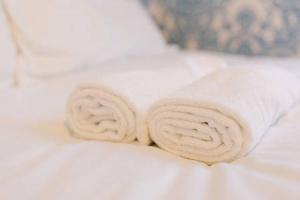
(224, 115)
(114, 109)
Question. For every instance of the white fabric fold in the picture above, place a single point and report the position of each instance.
(60, 36)
(114, 107)
(224, 115)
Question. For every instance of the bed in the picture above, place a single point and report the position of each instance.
(45, 57)
(41, 160)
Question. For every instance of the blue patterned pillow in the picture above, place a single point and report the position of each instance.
(250, 27)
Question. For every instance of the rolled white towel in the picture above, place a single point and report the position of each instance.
(97, 112)
(222, 116)
(114, 108)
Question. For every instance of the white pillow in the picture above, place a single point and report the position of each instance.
(7, 51)
(60, 35)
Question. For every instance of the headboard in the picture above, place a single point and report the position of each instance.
(250, 27)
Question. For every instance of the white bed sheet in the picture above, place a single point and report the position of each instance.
(40, 160)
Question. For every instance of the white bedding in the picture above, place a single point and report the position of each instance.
(59, 36)
(40, 160)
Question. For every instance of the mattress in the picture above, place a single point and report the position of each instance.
(41, 160)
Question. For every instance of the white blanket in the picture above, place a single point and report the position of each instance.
(224, 115)
(40, 160)
(113, 108)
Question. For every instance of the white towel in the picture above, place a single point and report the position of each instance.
(114, 107)
(224, 115)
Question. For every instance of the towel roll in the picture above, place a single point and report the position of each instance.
(114, 106)
(224, 115)
(96, 112)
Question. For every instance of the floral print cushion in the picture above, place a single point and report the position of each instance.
(250, 27)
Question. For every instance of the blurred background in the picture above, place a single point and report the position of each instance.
(50, 37)
(249, 27)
